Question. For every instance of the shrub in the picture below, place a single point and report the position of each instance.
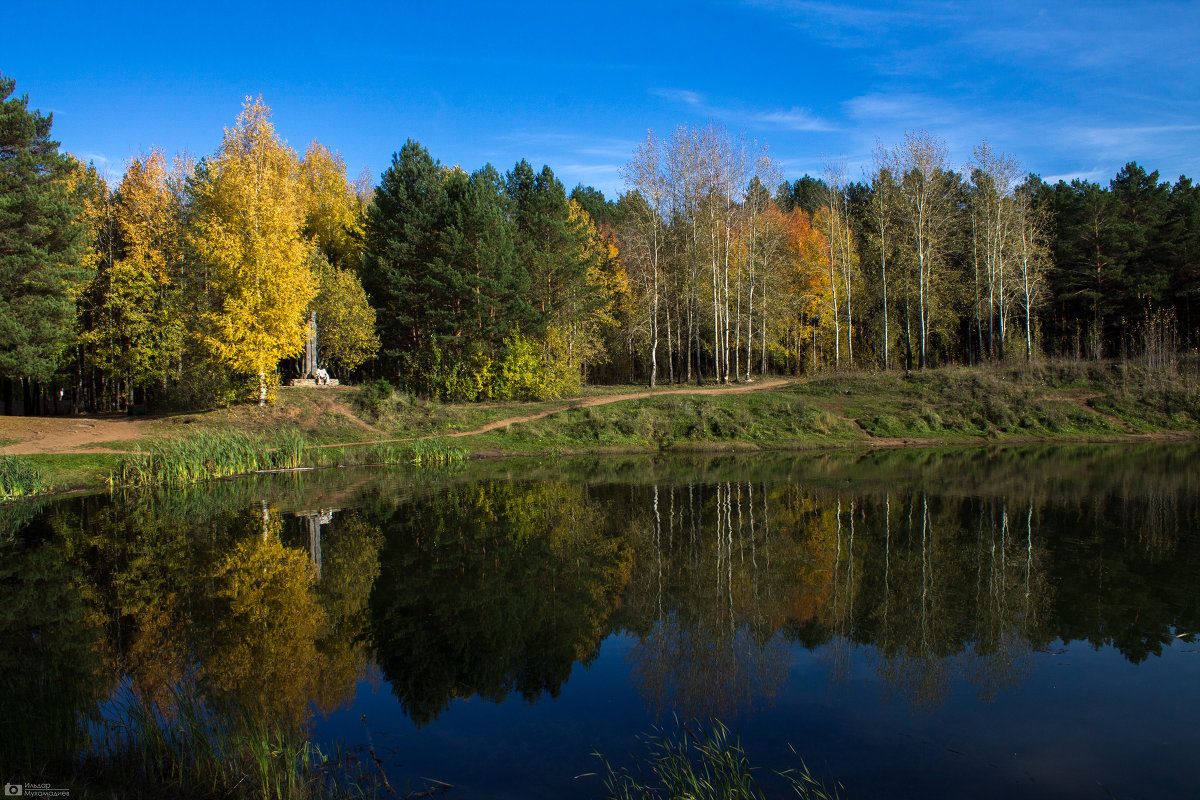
(522, 374)
(373, 397)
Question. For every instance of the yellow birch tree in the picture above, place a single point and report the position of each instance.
(249, 217)
(333, 210)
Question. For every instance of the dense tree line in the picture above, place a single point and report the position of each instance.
(192, 282)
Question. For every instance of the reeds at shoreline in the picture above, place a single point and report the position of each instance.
(20, 478)
(214, 455)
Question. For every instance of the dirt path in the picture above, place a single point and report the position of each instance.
(91, 434)
(589, 402)
(30, 435)
(603, 400)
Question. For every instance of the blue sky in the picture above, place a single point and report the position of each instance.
(1069, 89)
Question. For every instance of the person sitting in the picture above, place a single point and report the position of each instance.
(322, 377)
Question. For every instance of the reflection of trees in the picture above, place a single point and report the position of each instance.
(949, 587)
(223, 602)
(713, 583)
(942, 563)
(263, 650)
(350, 566)
(940, 587)
(196, 601)
(52, 656)
(493, 588)
(1120, 581)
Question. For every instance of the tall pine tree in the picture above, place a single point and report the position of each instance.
(40, 245)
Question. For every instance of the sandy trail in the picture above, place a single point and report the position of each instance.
(33, 435)
(91, 434)
(589, 402)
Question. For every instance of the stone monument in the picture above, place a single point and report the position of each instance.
(311, 374)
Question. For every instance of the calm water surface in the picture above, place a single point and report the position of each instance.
(973, 623)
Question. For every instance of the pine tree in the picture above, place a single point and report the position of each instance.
(405, 267)
(40, 246)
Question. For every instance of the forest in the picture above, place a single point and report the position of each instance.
(191, 282)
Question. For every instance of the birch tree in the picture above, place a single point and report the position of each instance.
(1033, 224)
(992, 212)
(927, 214)
(882, 214)
(249, 214)
(645, 232)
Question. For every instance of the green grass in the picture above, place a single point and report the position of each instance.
(188, 750)
(769, 418)
(406, 416)
(709, 765)
(1044, 401)
(420, 452)
(19, 477)
(205, 455)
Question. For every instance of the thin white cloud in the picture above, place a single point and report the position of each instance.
(791, 119)
(615, 148)
(590, 170)
(1093, 175)
(850, 25)
(1132, 135)
(901, 108)
(684, 96)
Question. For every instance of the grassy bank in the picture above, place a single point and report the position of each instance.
(1045, 402)
(1050, 403)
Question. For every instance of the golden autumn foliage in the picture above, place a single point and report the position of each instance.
(345, 319)
(150, 225)
(91, 190)
(250, 207)
(808, 276)
(333, 209)
(577, 337)
(265, 651)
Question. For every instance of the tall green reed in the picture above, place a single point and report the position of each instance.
(709, 765)
(20, 478)
(183, 748)
(207, 455)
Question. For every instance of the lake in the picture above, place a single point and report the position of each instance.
(965, 622)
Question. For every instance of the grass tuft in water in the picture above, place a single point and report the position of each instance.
(20, 478)
(185, 749)
(708, 765)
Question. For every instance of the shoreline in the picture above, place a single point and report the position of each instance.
(682, 449)
(1048, 403)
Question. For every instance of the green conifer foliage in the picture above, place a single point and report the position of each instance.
(40, 245)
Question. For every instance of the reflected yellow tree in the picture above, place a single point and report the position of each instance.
(264, 650)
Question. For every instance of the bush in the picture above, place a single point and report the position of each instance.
(523, 373)
(373, 397)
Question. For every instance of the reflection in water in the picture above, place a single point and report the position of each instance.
(276, 597)
(491, 589)
(702, 599)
